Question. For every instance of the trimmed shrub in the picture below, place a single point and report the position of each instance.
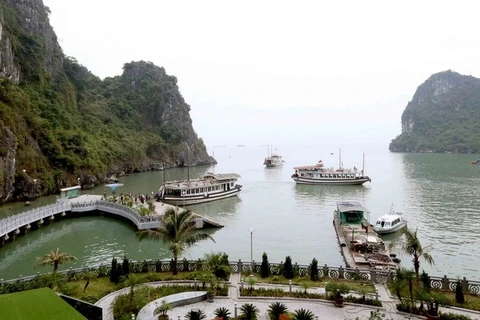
(459, 297)
(288, 268)
(125, 266)
(264, 268)
(314, 270)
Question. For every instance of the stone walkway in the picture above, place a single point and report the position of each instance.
(323, 309)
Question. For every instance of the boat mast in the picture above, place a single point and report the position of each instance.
(363, 165)
(188, 164)
(340, 158)
(163, 169)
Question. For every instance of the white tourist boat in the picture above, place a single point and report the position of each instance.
(319, 174)
(210, 187)
(273, 160)
(390, 222)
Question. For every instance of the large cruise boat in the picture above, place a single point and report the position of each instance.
(210, 187)
(319, 174)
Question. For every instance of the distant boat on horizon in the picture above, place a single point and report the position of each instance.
(241, 145)
(273, 159)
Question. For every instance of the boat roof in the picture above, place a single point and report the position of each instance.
(222, 176)
(319, 165)
(348, 205)
(208, 179)
(390, 216)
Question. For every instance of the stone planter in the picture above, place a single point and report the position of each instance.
(432, 317)
(210, 297)
(338, 301)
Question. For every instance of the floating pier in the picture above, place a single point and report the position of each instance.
(21, 223)
(360, 245)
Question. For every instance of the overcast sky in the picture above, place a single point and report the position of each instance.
(280, 72)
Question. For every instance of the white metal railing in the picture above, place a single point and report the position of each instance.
(14, 222)
(17, 221)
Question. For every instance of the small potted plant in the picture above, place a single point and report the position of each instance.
(338, 299)
(432, 310)
(210, 295)
(163, 310)
(435, 300)
(212, 290)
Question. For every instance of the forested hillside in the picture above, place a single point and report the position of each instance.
(443, 116)
(59, 122)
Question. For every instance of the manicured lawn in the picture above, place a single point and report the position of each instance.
(472, 302)
(359, 286)
(36, 304)
(100, 287)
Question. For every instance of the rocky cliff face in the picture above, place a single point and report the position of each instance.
(59, 122)
(442, 116)
(8, 68)
(29, 19)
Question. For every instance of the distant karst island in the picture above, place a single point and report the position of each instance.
(443, 116)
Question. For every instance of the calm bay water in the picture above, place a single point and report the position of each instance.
(438, 194)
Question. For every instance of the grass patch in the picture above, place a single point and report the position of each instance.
(36, 304)
(472, 301)
(354, 285)
(100, 287)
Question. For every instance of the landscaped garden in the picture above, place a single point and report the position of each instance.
(415, 293)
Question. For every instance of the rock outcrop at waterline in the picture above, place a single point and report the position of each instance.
(443, 116)
(59, 122)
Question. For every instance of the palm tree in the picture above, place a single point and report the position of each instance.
(178, 230)
(249, 311)
(195, 315)
(222, 312)
(275, 309)
(411, 245)
(132, 281)
(88, 275)
(303, 314)
(218, 263)
(55, 258)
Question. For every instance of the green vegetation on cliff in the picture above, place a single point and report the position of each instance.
(61, 122)
(443, 116)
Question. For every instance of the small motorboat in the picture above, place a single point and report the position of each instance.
(390, 222)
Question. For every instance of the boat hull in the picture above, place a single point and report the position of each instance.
(273, 165)
(197, 199)
(396, 228)
(340, 182)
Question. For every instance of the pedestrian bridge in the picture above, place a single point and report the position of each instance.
(22, 222)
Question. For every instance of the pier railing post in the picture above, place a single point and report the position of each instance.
(240, 265)
(445, 283)
(341, 273)
(373, 276)
(326, 274)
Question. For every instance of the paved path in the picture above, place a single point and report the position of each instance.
(323, 309)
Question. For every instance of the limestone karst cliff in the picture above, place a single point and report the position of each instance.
(442, 116)
(58, 121)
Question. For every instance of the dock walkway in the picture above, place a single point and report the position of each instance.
(22, 222)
